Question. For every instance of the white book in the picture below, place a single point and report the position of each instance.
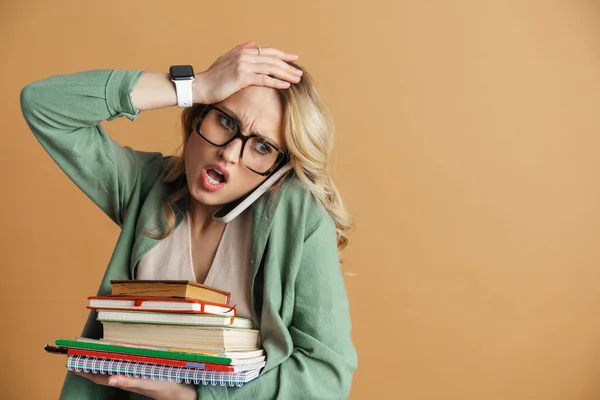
(185, 336)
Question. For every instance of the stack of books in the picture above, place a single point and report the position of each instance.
(168, 330)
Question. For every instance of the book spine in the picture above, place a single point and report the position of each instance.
(153, 371)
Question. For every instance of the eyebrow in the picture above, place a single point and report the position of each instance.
(239, 121)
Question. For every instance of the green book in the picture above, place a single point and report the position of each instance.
(90, 344)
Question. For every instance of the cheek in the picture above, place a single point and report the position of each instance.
(194, 154)
(190, 162)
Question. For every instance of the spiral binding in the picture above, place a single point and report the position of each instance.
(151, 371)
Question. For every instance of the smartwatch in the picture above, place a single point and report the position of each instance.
(182, 76)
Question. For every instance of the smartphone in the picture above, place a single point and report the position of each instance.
(231, 210)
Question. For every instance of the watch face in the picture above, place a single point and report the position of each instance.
(177, 72)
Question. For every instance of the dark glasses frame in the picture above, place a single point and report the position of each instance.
(282, 156)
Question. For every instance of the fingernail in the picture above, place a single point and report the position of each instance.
(298, 72)
(294, 55)
(113, 382)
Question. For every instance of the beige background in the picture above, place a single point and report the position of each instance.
(467, 150)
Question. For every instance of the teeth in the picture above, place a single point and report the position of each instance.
(212, 181)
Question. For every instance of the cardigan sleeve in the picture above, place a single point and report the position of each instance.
(64, 113)
(323, 359)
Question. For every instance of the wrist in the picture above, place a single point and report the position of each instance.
(198, 87)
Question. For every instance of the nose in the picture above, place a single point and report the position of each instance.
(231, 153)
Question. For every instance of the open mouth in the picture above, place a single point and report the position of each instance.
(215, 177)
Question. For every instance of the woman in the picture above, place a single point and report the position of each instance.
(285, 247)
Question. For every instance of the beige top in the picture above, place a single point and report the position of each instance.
(171, 258)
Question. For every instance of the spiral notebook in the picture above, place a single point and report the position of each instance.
(158, 372)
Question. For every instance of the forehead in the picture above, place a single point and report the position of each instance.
(259, 109)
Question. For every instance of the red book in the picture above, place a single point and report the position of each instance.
(159, 304)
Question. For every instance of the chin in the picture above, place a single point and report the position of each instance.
(207, 198)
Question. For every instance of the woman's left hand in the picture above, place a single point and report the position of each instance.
(159, 390)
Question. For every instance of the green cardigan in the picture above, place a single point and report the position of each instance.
(299, 299)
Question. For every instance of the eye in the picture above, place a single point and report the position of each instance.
(261, 146)
(226, 122)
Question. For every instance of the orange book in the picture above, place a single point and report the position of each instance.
(169, 288)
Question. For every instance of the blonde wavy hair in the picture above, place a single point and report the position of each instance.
(308, 134)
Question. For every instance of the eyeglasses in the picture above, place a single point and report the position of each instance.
(219, 129)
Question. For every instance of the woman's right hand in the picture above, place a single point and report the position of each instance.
(242, 67)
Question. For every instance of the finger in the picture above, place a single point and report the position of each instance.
(276, 72)
(272, 52)
(124, 382)
(138, 385)
(96, 378)
(275, 62)
(264, 80)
